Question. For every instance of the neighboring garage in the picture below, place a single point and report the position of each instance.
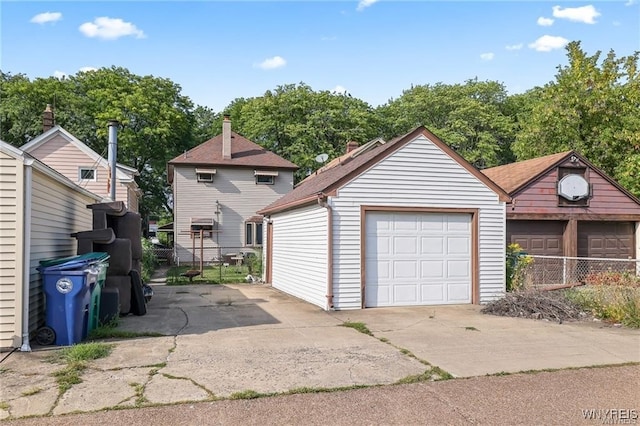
(562, 205)
(407, 222)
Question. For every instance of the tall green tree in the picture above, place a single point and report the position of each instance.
(156, 120)
(593, 107)
(472, 118)
(298, 123)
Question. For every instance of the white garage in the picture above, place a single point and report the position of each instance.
(403, 223)
(417, 258)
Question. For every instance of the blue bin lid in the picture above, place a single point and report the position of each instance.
(73, 262)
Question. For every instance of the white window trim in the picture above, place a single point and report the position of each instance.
(200, 172)
(271, 181)
(254, 234)
(95, 174)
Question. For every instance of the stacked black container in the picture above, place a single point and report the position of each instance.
(117, 232)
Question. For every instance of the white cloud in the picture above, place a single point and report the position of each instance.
(585, 14)
(87, 69)
(363, 4)
(631, 2)
(110, 29)
(487, 56)
(545, 22)
(339, 90)
(59, 74)
(328, 38)
(43, 18)
(547, 43)
(513, 46)
(272, 63)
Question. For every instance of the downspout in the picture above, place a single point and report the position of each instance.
(26, 258)
(322, 200)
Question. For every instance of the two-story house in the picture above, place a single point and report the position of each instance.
(218, 187)
(66, 154)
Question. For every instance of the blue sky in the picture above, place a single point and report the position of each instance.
(221, 50)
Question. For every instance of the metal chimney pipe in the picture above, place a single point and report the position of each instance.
(113, 154)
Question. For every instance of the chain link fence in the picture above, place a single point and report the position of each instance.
(556, 271)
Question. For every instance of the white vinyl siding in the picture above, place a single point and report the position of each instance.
(56, 212)
(67, 159)
(417, 175)
(299, 256)
(239, 197)
(11, 250)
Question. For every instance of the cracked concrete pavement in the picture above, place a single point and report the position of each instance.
(224, 340)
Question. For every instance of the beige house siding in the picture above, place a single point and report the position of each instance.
(56, 212)
(239, 197)
(66, 158)
(11, 252)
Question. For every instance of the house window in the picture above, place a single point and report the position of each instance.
(265, 177)
(253, 234)
(205, 175)
(86, 173)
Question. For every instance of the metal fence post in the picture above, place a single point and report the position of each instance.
(564, 271)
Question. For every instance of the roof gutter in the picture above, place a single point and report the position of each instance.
(322, 201)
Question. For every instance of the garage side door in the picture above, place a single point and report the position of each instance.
(417, 259)
(606, 239)
(542, 237)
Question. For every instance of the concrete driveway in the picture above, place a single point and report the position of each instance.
(237, 340)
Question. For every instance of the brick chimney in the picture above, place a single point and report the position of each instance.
(226, 137)
(351, 145)
(47, 119)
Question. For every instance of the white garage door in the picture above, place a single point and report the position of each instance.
(417, 259)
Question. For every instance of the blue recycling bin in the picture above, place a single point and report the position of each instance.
(68, 284)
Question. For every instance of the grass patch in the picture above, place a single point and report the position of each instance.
(4, 370)
(432, 374)
(359, 326)
(76, 357)
(247, 394)
(4, 406)
(110, 331)
(32, 391)
(139, 390)
(69, 376)
(84, 352)
(613, 303)
(210, 275)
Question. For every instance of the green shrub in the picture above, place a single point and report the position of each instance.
(615, 303)
(517, 262)
(149, 261)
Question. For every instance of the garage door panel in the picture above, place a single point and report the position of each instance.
(404, 223)
(458, 292)
(606, 239)
(430, 258)
(432, 269)
(435, 222)
(403, 269)
(458, 223)
(542, 237)
(432, 245)
(405, 293)
(458, 246)
(432, 294)
(405, 245)
(458, 269)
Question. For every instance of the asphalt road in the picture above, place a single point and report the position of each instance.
(602, 395)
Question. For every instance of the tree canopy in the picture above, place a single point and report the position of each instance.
(592, 106)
